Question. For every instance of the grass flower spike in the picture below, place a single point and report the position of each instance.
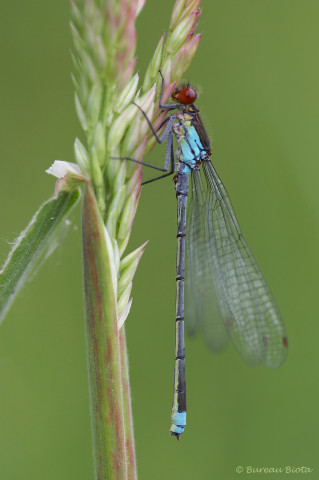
(105, 87)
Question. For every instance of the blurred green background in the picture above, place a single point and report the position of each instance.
(257, 70)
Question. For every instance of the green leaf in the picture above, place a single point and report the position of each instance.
(31, 244)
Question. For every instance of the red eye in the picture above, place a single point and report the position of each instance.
(186, 95)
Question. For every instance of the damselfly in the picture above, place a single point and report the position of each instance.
(226, 293)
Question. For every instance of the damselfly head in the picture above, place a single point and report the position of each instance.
(185, 95)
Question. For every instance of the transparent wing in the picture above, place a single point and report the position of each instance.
(205, 305)
(244, 299)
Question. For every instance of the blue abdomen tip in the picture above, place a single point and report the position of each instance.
(179, 419)
(177, 431)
